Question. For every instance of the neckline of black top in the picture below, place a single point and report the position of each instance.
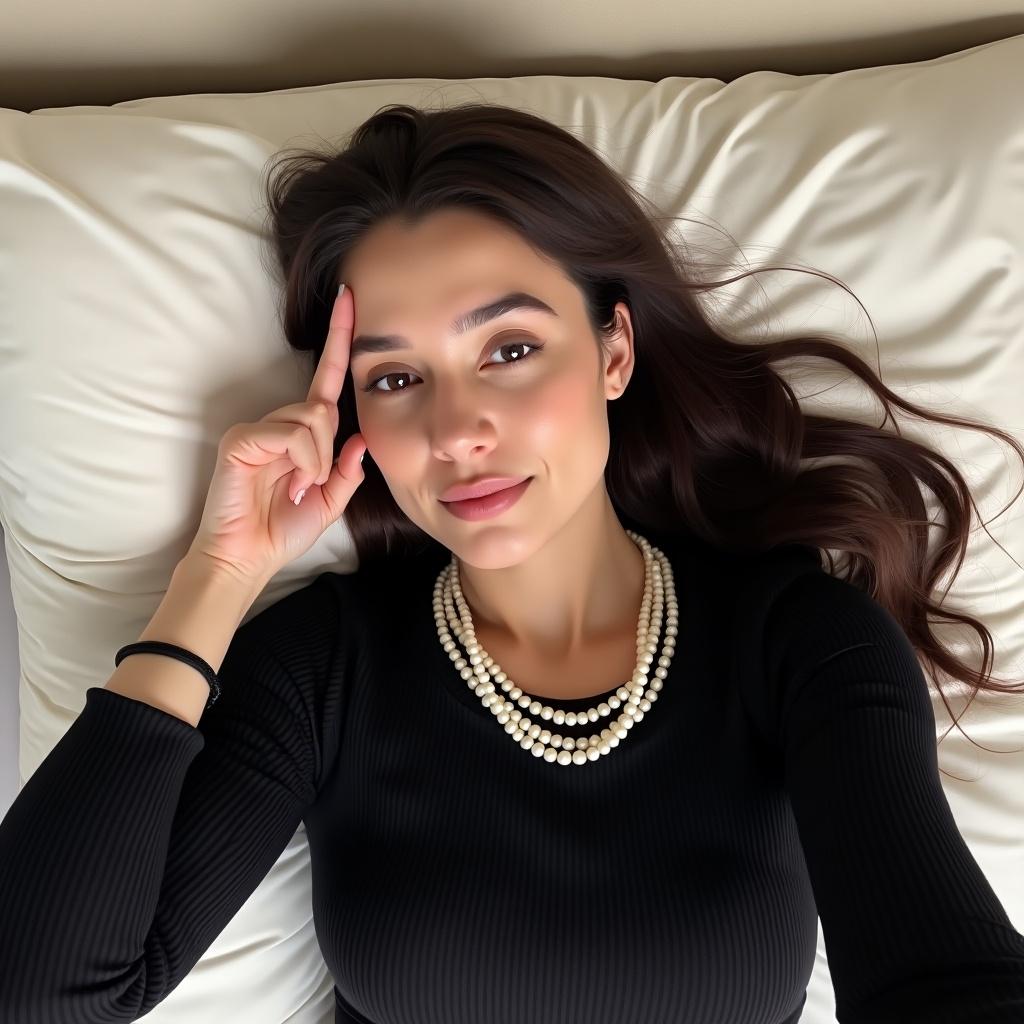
(459, 689)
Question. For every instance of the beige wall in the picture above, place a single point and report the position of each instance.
(70, 52)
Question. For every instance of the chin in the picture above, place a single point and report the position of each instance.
(492, 552)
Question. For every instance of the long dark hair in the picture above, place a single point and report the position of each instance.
(708, 435)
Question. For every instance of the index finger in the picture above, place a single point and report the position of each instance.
(330, 371)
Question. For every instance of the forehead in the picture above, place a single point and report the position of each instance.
(452, 231)
(446, 263)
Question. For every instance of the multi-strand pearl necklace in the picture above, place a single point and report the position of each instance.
(635, 697)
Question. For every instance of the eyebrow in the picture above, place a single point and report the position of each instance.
(467, 321)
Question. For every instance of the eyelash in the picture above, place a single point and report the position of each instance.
(533, 345)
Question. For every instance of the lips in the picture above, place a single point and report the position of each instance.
(490, 505)
(480, 488)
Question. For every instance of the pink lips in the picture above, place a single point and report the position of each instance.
(490, 504)
(480, 488)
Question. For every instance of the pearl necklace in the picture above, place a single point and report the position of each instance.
(481, 671)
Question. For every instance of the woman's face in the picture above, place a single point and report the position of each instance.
(523, 394)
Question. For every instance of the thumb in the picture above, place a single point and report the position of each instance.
(346, 475)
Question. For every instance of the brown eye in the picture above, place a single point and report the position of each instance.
(533, 346)
(372, 386)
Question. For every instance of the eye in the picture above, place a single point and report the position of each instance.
(532, 346)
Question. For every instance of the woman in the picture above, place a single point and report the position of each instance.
(748, 740)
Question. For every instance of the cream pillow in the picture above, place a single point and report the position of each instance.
(139, 322)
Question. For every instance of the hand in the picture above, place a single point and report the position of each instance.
(250, 525)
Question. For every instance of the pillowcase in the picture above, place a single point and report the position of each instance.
(139, 322)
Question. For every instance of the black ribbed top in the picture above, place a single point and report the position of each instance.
(787, 770)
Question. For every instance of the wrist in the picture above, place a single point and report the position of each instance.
(208, 573)
(201, 610)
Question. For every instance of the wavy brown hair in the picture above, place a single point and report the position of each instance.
(708, 434)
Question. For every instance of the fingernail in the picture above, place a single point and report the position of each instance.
(363, 456)
(298, 497)
(341, 290)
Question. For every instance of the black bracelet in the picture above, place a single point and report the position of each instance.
(173, 651)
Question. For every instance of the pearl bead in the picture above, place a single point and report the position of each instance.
(481, 672)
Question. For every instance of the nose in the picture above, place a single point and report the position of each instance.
(462, 427)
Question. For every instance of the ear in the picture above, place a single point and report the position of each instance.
(617, 354)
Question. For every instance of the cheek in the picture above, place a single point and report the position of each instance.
(386, 438)
(561, 414)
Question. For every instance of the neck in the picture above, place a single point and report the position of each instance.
(583, 585)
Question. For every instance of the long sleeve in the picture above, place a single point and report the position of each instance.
(913, 930)
(139, 837)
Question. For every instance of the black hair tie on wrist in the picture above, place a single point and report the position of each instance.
(173, 651)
